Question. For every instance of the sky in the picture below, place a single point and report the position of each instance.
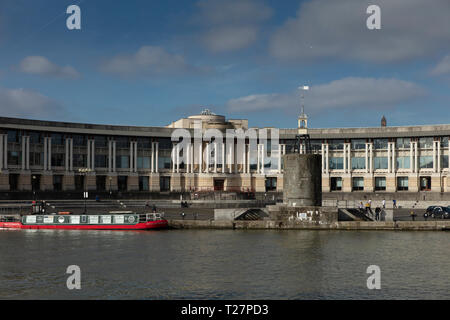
(148, 63)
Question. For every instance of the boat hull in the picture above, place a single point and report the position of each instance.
(149, 225)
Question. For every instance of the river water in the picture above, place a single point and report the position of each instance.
(216, 264)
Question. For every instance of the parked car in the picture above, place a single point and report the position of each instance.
(429, 210)
(441, 212)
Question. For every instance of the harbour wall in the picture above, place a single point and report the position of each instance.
(441, 225)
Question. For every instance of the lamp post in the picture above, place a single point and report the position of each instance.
(84, 172)
(33, 183)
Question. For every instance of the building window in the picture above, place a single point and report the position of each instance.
(426, 162)
(58, 159)
(358, 183)
(143, 184)
(380, 162)
(14, 158)
(100, 182)
(358, 163)
(336, 184)
(79, 183)
(444, 142)
(79, 140)
(36, 138)
(336, 144)
(122, 162)
(57, 182)
(143, 162)
(426, 142)
(164, 162)
(144, 143)
(100, 142)
(100, 161)
(122, 183)
(13, 136)
(444, 161)
(271, 184)
(164, 183)
(316, 145)
(122, 143)
(36, 158)
(403, 163)
(403, 143)
(336, 163)
(79, 160)
(402, 183)
(425, 183)
(358, 144)
(380, 143)
(380, 183)
(57, 139)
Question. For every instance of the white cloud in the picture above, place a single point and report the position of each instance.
(231, 25)
(347, 93)
(149, 60)
(443, 67)
(337, 29)
(42, 66)
(29, 104)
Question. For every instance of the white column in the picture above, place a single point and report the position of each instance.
(394, 162)
(258, 159)
(109, 156)
(327, 159)
(93, 154)
(114, 156)
(49, 156)
(371, 157)
(4, 155)
(1, 150)
(70, 154)
(23, 152)
(439, 155)
(45, 153)
(248, 157)
(262, 159)
(215, 157)
(345, 158)
(389, 158)
(135, 155)
(367, 157)
(230, 159)
(152, 166)
(223, 157)
(279, 159)
(157, 157)
(200, 157)
(434, 157)
(323, 157)
(416, 156)
(411, 163)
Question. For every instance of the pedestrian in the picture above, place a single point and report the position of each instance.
(182, 215)
(361, 206)
(377, 214)
(413, 216)
(154, 209)
(394, 203)
(370, 207)
(367, 207)
(425, 216)
(384, 204)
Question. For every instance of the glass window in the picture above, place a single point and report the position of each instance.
(80, 160)
(403, 143)
(79, 140)
(122, 143)
(316, 145)
(336, 184)
(336, 144)
(402, 183)
(358, 183)
(57, 139)
(336, 163)
(380, 162)
(444, 142)
(380, 183)
(122, 162)
(403, 163)
(426, 162)
(100, 142)
(380, 143)
(14, 157)
(58, 159)
(36, 137)
(358, 163)
(358, 144)
(101, 161)
(143, 162)
(444, 161)
(144, 143)
(426, 142)
(143, 184)
(164, 162)
(13, 136)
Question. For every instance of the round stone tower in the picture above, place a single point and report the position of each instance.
(302, 180)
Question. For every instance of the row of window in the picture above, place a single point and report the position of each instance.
(380, 183)
(425, 162)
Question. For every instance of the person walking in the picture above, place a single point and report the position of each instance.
(370, 207)
(182, 215)
(361, 206)
(377, 214)
(394, 203)
(413, 216)
(384, 203)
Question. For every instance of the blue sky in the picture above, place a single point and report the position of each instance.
(151, 62)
